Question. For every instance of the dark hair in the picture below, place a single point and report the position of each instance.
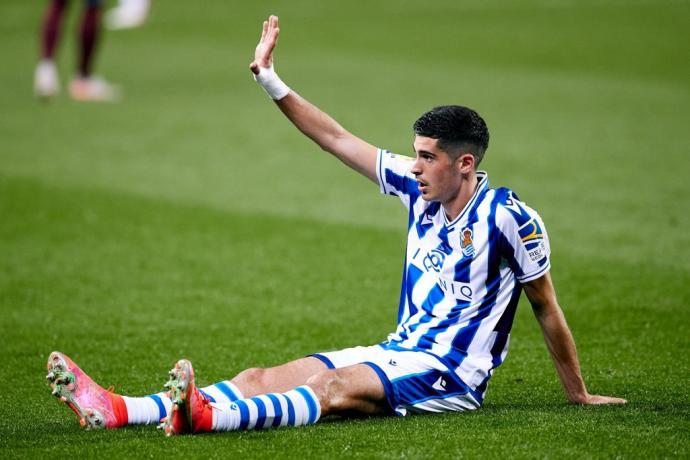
(458, 130)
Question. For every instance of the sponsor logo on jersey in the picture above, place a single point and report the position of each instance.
(538, 252)
(434, 260)
(460, 290)
(531, 231)
(532, 238)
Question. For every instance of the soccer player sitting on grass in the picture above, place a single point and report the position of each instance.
(471, 250)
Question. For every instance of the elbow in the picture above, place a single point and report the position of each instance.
(325, 146)
(538, 309)
(546, 307)
(333, 140)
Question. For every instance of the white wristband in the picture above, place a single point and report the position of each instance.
(271, 83)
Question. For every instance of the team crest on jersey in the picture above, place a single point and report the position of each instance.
(467, 245)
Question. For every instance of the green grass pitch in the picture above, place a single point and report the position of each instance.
(191, 219)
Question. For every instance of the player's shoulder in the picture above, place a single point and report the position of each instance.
(512, 210)
(390, 156)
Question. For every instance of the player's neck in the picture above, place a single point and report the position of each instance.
(454, 206)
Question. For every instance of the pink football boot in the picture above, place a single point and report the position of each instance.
(191, 411)
(95, 407)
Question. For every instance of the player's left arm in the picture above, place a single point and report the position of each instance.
(560, 342)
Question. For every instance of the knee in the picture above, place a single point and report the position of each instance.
(254, 376)
(330, 388)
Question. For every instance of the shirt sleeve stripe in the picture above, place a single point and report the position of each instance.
(379, 171)
(533, 276)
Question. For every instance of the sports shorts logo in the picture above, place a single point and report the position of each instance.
(440, 384)
(467, 245)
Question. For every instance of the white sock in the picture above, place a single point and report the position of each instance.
(148, 410)
(222, 392)
(296, 407)
(151, 409)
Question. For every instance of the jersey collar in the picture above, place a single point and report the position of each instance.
(482, 186)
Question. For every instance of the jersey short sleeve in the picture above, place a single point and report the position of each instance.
(526, 241)
(393, 173)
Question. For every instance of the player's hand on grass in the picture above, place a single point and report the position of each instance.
(263, 56)
(599, 400)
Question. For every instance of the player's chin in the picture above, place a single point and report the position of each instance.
(426, 193)
(428, 196)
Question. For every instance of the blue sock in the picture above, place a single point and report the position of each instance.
(296, 407)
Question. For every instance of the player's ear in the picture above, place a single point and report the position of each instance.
(465, 163)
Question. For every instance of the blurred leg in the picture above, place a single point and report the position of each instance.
(46, 80)
(86, 87)
(51, 28)
(88, 36)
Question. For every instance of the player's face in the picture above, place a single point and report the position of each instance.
(438, 175)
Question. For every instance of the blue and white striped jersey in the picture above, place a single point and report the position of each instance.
(462, 279)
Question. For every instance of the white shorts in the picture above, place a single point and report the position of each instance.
(414, 381)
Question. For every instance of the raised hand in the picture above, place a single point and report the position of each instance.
(263, 56)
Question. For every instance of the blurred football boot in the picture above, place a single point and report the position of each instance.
(191, 411)
(95, 406)
(46, 80)
(93, 89)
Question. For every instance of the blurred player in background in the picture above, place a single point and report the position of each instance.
(84, 85)
(128, 14)
(471, 251)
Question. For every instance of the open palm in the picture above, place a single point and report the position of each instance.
(263, 56)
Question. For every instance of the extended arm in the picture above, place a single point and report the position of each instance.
(560, 343)
(315, 124)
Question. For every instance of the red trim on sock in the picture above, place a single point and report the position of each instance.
(120, 410)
